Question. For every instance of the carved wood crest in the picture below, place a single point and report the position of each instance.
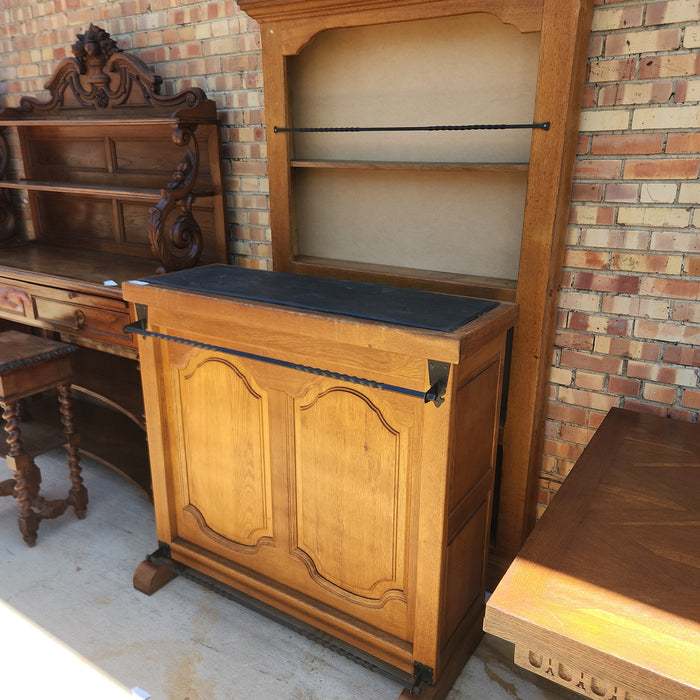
(101, 77)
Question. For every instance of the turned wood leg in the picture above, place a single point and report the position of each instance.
(26, 482)
(78, 496)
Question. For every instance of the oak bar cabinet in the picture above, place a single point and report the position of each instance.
(327, 448)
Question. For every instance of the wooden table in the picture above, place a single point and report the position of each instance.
(604, 598)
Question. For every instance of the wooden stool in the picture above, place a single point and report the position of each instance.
(29, 365)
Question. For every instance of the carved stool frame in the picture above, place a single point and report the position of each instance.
(29, 365)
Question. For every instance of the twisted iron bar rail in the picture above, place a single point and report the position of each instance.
(459, 127)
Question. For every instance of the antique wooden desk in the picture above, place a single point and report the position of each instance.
(105, 181)
(604, 597)
(328, 448)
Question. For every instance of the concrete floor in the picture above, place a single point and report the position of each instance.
(72, 625)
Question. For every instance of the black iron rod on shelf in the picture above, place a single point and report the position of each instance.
(460, 127)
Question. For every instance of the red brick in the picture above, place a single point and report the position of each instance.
(667, 332)
(635, 94)
(567, 414)
(586, 192)
(598, 169)
(599, 324)
(576, 434)
(597, 363)
(578, 341)
(672, 12)
(621, 192)
(595, 419)
(692, 267)
(564, 450)
(619, 284)
(688, 312)
(669, 66)
(624, 387)
(662, 169)
(648, 41)
(680, 414)
(586, 259)
(588, 399)
(590, 380)
(682, 355)
(588, 98)
(691, 399)
(683, 142)
(588, 215)
(612, 71)
(626, 347)
(653, 264)
(642, 407)
(659, 394)
(663, 287)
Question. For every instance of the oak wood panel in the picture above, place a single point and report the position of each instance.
(604, 596)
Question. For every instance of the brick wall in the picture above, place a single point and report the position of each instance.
(629, 317)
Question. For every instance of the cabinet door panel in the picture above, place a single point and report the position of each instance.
(351, 496)
(224, 466)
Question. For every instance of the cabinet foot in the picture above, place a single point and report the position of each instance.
(150, 577)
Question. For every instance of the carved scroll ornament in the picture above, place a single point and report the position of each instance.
(179, 246)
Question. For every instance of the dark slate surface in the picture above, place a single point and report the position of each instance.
(406, 307)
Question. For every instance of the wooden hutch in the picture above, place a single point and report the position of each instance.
(480, 213)
(119, 182)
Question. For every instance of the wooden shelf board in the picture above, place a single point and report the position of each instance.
(146, 194)
(409, 165)
(429, 280)
(66, 120)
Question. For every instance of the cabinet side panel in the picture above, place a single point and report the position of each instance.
(465, 571)
(224, 471)
(477, 401)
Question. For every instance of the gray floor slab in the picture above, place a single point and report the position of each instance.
(72, 625)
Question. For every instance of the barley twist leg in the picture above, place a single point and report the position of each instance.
(26, 482)
(77, 496)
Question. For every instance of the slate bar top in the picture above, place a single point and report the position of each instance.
(406, 307)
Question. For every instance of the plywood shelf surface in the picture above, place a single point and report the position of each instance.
(409, 165)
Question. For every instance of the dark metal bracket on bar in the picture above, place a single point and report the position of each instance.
(458, 127)
(435, 393)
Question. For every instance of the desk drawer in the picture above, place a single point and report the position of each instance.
(88, 319)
